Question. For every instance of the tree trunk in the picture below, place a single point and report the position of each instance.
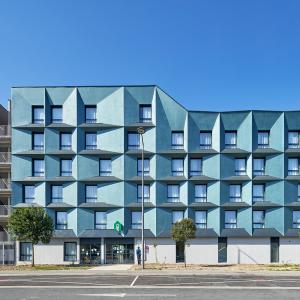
(32, 262)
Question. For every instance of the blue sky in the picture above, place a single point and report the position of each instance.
(208, 55)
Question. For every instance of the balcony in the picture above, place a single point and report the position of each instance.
(5, 131)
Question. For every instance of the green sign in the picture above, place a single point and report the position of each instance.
(118, 226)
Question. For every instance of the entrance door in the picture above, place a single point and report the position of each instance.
(90, 252)
(119, 254)
(179, 252)
(222, 250)
(274, 249)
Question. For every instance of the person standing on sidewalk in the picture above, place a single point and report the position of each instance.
(138, 255)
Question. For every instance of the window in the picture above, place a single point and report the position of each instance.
(296, 219)
(263, 139)
(173, 193)
(105, 167)
(201, 219)
(293, 166)
(65, 167)
(25, 251)
(205, 140)
(29, 194)
(235, 193)
(258, 166)
(100, 220)
(70, 251)
(145, 114)
(91, 141)
(240, 166)
(258, 219)
(38, 141)
(56, 193)
(230, 219)
(38, 168)
(298, 192)
(91, 193)
(230, 139)
(200, 193)
(146, 193)
(133, 141)
(177, 167)
(146, 167)
(90, 114)
(57, 114)
(195, 166)
(258, 192)
(38, 115)
(136, 220)
(293, 139)
(61, 220)
(177, 216)
(65, 141)
(177, 140)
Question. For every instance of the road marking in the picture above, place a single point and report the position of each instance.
(134, 280)
(120, 295)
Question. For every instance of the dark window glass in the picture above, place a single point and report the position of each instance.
(38, 115)
(70, 251)
(61, 220)
(38, 141)
(57, 114)
(145, 113)
(90, 114)
(65, 141)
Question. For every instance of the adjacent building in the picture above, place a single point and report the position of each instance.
(76, 152)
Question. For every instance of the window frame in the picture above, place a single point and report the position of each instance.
(34, 120)
(90, 146)
(230, 146)
(173, 199)
(176, 211)
(177, 146)
(24, 193)
(258, 225)
(87, 120)
(263, 146)
(23, 256)
(34, 173)
(235, 199)
(141, 118)
(292, 172)
(105, 173)
(200, 198)
(61, 226)
(201, 225)
(139, 198)
(37, 147)
(146, 172)
(100, 226)
(230, 225)
(133, 146)
(64, 147)
(57, 199)
(75, 255)
(177, 173)
(136, 225)
(259, 199)
(296, 225)
(56, 121)
(67, 173)
(205, 146)
(196, 172)
(242, 172)
(259, 172)
(90, 198)
(294, 145)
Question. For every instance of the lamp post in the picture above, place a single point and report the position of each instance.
(141, 131)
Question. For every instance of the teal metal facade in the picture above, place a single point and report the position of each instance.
(117, 113)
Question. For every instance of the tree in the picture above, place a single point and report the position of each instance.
(31, 224)
(182, 231)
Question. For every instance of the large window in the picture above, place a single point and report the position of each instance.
(25, 251)
(70, 251)
(240, 166)
(205, 140)
(100, 220)
(91, 141)
(177, 216)
(195, 166)
(146, 167)
(105, 167)
(200, 193)
(38, 115)
(136, 220)
(65, 141)
(146, 193)
(38, 168)
(61, 221)
(293, 166)
(133, 141)
(230, 219)
(90, 114)
(235, 193)
(177, 140)
(230, 139)
(263, 139)
(298, 192)
(38, 141)
(91, 193)
(56, 193)
(201, 219)
(57, 114)
(296, 219)
(258, 219)
(173, 193)
(293, 139)
(29, 194)
(145, 114)
(66, 167)
(258, 166)
(258, 192)
(177, 167)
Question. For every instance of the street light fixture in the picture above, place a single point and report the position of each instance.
(141, 131)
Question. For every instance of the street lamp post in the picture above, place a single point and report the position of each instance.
(141, 131)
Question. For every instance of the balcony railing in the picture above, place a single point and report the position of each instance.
(4, 210)
(5, 157)
(5, 184)
(5, 131)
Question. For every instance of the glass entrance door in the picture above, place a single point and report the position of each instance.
(90, 253)
(119, 254)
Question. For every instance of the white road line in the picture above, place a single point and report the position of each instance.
(120, 295)
(134, 280)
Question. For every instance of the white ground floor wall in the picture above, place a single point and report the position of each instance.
(198, 251)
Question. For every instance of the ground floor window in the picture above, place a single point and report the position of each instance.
(70, 251)
(274, 249)
(25, 251)
(179, 252)
(222, 250)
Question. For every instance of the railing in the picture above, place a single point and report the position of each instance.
(5, 131)
(5, 157)
(5, 184)
(4, 210)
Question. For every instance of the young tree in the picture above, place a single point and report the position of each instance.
(31, 224)
(182, 231)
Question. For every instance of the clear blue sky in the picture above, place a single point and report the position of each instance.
(208, 55)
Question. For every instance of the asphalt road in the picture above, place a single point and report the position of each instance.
(212, 287)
